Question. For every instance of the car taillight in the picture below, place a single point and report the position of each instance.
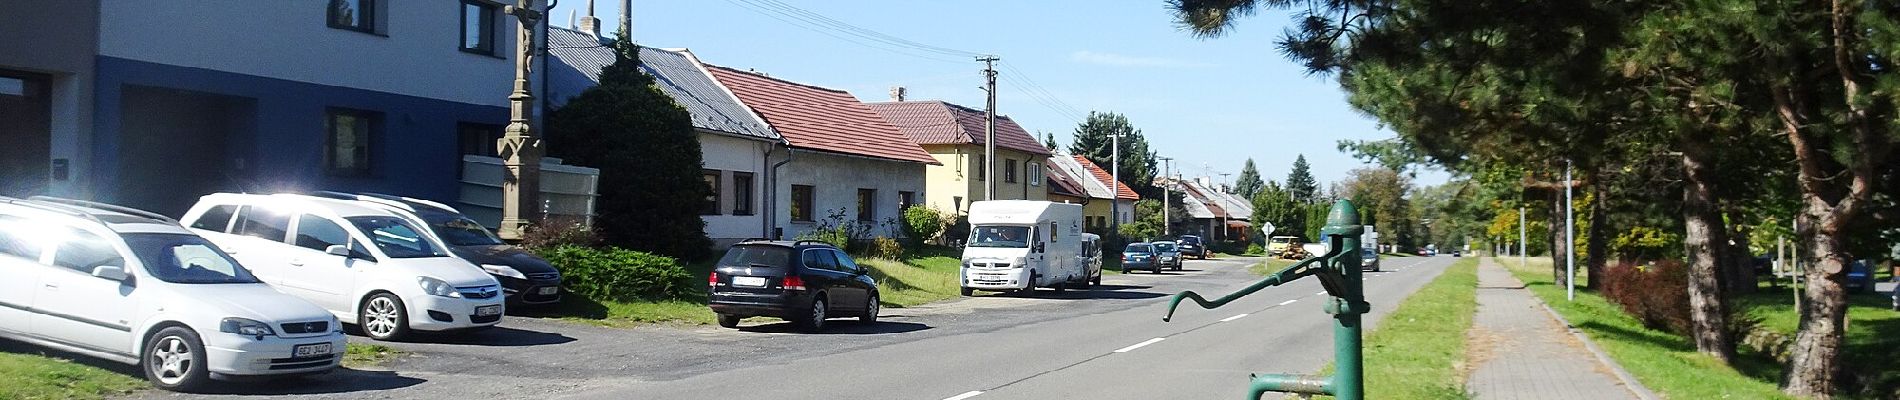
(712, 279)
(793, 282)
(1124, 257)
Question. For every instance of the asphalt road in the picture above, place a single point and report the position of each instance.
(1105, 343)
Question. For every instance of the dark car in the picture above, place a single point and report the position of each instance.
(1860, 276)
(805, 282)
(525, 278)
(1191, 246)
(1169, 254)
(1140, 256)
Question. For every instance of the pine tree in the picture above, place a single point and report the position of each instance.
(1049, 140)
(1300, 183)
(651, 192)
(1093, 141)
(1248, 184)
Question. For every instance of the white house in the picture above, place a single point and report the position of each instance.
(733, 141)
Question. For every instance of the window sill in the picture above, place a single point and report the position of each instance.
(795, 222)
(742, 214)
(371, 32)
(479, 52)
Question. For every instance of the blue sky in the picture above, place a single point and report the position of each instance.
(1210, 104)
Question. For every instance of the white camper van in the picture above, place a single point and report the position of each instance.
(1022, 245)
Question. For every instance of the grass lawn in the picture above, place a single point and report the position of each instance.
(360, 355)
(1873, 334)
(1418, 351)
(1666, 363)
(25, 374)
(1270, 266)
(927, 276)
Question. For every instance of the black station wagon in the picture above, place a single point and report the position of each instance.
(805, 282)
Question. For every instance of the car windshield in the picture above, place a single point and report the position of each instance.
(1190, 240)
(188, 259)
(746, 256)
(396, 237)
(1138, 248)
(1000, 236)
(1164, 247)
(1367, 254)
(461, 231)
(1282, 240)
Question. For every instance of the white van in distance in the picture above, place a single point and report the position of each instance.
(1022, 245)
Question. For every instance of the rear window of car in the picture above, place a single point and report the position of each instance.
(1137, 248)
(746, 256)
(1164, 246)
(1190, 240)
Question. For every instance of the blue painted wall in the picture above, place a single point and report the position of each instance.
(415, 154)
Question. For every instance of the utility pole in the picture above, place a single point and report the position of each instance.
(1522, 254)
(989, 128)
(520, 150)
(1115, 190)
(1166, 227)
(1570, 240)
(626, 19)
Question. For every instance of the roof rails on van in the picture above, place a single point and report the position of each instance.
(803, 242)
(385, 199)
(104, 206)
(58, 208)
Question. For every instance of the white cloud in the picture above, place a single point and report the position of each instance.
(1121, 60)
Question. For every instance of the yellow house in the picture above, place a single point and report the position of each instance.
(954, 135)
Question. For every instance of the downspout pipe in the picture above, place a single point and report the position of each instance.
(771, 199)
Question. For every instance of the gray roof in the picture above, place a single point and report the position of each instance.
(1094, 187)
(578, 58)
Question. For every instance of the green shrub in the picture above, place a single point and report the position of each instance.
(557, 232)
(615, 274)
(921, 223)
(1255, 249)
(883, 247)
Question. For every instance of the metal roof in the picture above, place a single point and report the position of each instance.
(578, 58)
(939, 122)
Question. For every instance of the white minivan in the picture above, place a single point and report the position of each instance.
(363, 263)
(132, 286)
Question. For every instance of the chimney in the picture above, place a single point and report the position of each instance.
(897, 93)
(590, 24)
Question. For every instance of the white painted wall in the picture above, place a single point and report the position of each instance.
(417, 53)
(836, 180)
(730, 154)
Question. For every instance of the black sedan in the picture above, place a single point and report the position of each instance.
(805, 282)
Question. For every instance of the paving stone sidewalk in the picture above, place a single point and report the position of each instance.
(1521, 352)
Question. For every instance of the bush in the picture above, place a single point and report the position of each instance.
(615, 274)
(1656, 295)
(921, 223)
(557, 232)
(883, 247)
(1255, 249)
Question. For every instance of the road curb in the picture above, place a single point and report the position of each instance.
(1629, 381)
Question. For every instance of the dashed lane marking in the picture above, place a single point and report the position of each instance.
(1289, 302)
(1139, 345)
(1233, 318)
(965, 395)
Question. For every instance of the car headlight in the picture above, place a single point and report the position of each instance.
(503, 270)
(246, 327)
(1018, 262)
(437, 287)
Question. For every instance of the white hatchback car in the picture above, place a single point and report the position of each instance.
(133, 286)
(363, 263)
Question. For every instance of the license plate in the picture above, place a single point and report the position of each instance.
(486, 311)
(748, 281)
(308, 350)
(550, 290)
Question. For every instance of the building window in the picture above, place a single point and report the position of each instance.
(742, 193)
(478, 27)
(350, 132)
(355, 15)
(981, 168)
(905, 200)
(1009, 171)
(867, 205)
(1035, 174)
(801, 203)
(478, 139)
(711, 177)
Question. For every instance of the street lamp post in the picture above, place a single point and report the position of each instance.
(1166, 221)
(1115, 189)
(520, 150)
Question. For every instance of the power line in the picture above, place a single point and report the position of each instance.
(833, 32)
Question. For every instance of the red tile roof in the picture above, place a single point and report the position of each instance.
(1061, 183)
(939, 122)
(819, 118)
(1122, 192)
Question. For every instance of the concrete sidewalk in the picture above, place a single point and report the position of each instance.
(1520, 351)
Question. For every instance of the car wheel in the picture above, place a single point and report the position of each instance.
(1030, 287)
(1062, 287)
(382, 317)
(175, 360)
(870, 310)
(1096, 281)
(814, 320)
(1157, 269)
(729, 320)
(1124, 268)
(967, 292)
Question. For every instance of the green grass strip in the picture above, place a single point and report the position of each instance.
(34, 376)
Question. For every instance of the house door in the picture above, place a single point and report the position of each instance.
(176, 145)
(26, 133)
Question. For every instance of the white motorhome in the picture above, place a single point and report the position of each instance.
(1023, 245)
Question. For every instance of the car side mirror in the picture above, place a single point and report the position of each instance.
(1038, 248)
(110, 272)
(338, 250)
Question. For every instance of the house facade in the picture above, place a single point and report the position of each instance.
(842, 163)
(1217, 215)
(734, 142)
(955, 136)
(355, 95)
(1109, 201)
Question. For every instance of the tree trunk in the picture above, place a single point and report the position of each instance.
(1815, 367)
(1704, 242)
(1558, 250)
(1597, 244)
(1741, 264)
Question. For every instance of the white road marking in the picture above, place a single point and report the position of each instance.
(1321, 293)
(1289, 302)
(965, 395)
(1138, 345)
(1232, 318)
